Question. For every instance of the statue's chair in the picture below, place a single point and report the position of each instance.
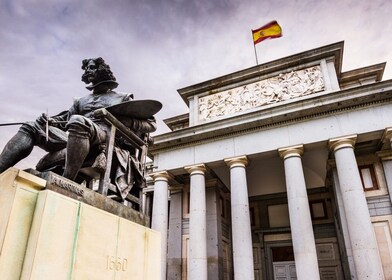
(98, 173)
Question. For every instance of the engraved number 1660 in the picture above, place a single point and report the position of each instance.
(116, 264)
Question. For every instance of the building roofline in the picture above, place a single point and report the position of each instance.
(376, 70)
(333, 50)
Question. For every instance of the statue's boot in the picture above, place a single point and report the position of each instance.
(77, 151)
(17, 148)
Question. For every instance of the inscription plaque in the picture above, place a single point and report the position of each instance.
(325, 251)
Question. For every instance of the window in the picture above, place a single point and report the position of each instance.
(278, 215)
(368, 177)
(252, 216)
(222, 206)
(318, 210)
(185, 202)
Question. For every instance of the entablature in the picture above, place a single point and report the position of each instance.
(278, 114)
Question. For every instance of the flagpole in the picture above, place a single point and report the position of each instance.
(257, 62)
(254, 47)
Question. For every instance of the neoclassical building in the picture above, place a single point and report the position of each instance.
(279, 171)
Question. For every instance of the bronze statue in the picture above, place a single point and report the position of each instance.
(86, 133)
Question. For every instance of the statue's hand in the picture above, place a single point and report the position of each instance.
(43, 119)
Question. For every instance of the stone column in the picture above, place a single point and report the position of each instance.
(159, 219)
(363, 240)
(174, 250)
(240, 219)
(197, 224)
(302, 235)
(343, 226)
(386, 158)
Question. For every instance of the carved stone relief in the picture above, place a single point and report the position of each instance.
(279, 88)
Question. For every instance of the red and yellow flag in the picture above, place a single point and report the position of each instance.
(268, 31)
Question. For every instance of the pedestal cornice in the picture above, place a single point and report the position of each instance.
(240, 161)
(196, 169)
(335, 144)
(292, 151)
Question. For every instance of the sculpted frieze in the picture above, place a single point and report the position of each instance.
(283, 87)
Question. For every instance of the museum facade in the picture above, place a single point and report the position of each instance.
(279, 171)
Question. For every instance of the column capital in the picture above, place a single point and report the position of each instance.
(196, 169)
(342, 142)
(384, 155)
(161, 176)
(241, 161)
(387, 135)
(292, 151)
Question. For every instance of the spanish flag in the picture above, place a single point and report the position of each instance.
(268, 31)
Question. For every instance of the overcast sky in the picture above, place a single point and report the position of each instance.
(156, 47)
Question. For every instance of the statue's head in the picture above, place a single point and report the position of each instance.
(97, 72)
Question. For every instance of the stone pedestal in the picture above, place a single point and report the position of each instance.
(62, 238)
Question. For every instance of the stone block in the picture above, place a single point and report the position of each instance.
(18, 197)
(50, 249)
(96, 244)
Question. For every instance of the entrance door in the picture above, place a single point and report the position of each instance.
(283, 264)
(284, 270)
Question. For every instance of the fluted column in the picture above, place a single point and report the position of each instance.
(160, 213)
(240, 219)
(197, 223)
(304, 245)
(363, 240)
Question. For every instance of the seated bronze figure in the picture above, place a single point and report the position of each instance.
(80, 136)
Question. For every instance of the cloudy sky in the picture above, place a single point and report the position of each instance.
(155, 47)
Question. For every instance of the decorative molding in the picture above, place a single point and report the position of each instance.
(335, 144)
(292, 151)
(240, 161)
(283, 87)
(196, 169)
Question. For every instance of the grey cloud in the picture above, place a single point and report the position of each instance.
(156, 47)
